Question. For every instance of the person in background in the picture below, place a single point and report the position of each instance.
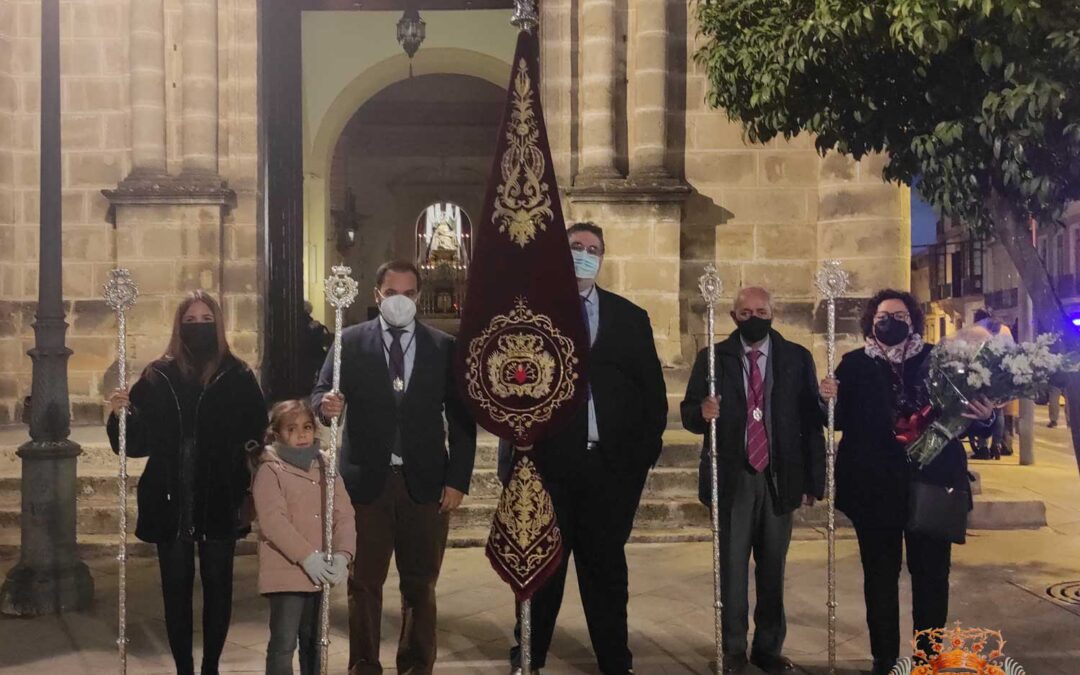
(1056, 393)
(771, 459)
(318, 340)
(288, 491)
(1001, 440)
(193, 412)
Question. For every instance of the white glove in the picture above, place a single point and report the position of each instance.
(317, 569)
(339, 569)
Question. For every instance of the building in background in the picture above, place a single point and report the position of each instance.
(962, 273)
(245, 146)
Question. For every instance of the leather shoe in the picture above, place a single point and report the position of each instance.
(733, 663)
(517, 671)
(773, 664)
(882, 667)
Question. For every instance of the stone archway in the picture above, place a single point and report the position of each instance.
(326, 134)
(420, 141)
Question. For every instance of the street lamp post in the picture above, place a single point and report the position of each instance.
(49, 577)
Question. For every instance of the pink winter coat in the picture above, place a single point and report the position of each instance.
(288, 507)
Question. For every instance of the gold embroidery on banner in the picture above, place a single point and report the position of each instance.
(520, 369)
(522, 200)
(524, 535)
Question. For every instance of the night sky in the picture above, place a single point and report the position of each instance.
(923, 221)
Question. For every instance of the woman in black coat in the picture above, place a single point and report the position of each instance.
(192, 413)
(876, 387)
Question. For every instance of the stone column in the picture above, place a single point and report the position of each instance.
(147, 65)
(597, 91)
(49, 577)
(200, 82)
(649, 148)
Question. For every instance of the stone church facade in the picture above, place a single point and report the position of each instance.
(200, 139)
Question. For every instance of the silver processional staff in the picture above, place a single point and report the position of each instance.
(832, 282)
(711, 287)
(341, 290)
(120, 295)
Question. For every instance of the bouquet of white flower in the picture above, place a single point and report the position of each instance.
(973, 365)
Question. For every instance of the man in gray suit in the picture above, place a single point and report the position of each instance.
(771, 458)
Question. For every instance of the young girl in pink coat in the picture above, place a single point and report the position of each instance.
(288, 498)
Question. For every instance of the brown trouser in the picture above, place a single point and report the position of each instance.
(415, 534)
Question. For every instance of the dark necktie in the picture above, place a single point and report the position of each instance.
(588, 334)
(397, 360)
(757, 439)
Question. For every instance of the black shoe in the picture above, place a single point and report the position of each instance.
(883, 667)
(1006, 451)
(980, 454)
(733, 663)
(772, 664)
(1052, 425)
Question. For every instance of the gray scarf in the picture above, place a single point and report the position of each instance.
(301, 458)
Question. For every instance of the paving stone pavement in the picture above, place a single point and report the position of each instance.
(999, 580)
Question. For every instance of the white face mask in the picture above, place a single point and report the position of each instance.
(397, 310)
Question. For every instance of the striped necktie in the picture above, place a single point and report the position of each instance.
(757, 439)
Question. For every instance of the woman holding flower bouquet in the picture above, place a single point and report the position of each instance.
(880, 391)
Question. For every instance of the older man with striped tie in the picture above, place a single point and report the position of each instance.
(771, 458)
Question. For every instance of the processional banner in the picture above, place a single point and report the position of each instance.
(523, 340)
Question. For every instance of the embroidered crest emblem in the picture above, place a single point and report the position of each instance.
(521, 368)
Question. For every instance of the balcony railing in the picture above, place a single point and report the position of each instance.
(1003, 299)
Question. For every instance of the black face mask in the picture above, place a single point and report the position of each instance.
(891, 332)
(200, 339)
(754, 329)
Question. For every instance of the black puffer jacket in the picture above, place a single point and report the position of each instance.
(228, 413)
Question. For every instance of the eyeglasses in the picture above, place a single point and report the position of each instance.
(898, 316)
(591, 250)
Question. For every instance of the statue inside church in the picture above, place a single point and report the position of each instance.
(444, 243)
(442, 254)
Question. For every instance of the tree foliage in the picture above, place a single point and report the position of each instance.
(975, 97)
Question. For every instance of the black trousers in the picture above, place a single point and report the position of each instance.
(177, 562)
(928, 562)
(595, 511)
(293, 617)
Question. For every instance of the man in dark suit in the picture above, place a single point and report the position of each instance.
(771, 459)
(595, 469)
(397, 379)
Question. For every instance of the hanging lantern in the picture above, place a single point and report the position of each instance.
(411, 31)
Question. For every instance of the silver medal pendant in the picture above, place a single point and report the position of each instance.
(399, 384)
(758, 415)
